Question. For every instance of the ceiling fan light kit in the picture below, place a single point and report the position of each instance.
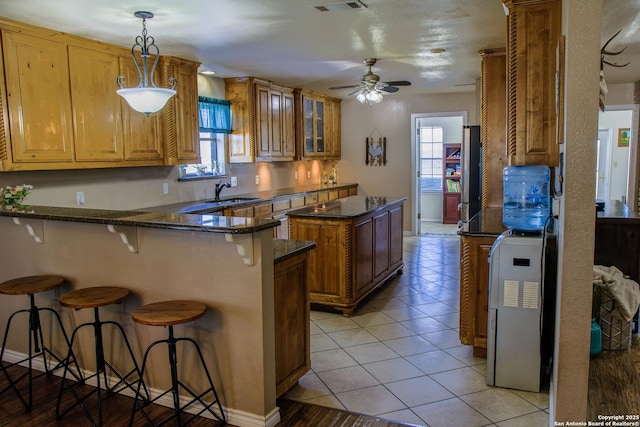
(144, 98)
(370, 88)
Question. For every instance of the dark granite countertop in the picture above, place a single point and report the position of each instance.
(251, 198)
(487, 222)
(616, 211)
(348, 207)
(283, 249)
(189, 222)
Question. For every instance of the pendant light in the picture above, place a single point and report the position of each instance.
(146, 97)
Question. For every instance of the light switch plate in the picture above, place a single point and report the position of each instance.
(80, 200)
(234, 181)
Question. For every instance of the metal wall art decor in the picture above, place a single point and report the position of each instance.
(376, 150)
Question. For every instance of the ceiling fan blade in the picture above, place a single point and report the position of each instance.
(399, 83)
(356, 91)
(343, 87)
(390, 89)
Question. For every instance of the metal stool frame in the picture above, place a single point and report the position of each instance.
(176, 384)
(101, 369)
(37, 347)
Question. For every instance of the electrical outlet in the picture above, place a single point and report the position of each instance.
(165, 188)
(257, 179)
(80, 200)
(295, 175)
(308, 174)
(234, 181)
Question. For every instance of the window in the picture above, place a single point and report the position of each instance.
(215, 123)
(431, 139)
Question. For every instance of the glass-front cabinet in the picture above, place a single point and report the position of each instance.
(314, 129)
(313, 126)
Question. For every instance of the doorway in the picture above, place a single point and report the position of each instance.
(429, 133)
(617, 153)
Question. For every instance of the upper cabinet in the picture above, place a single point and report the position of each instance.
(533, 31)
(180, 115)
(493, 125)
(317, 125)
(38, 105)
(60, 109)
(262, 120)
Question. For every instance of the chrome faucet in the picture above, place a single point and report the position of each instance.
(219, 186)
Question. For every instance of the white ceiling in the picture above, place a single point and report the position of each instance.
(292, 43)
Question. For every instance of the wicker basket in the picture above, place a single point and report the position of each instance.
(616, 334)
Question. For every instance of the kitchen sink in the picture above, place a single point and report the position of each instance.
(206, 207)
(231, 200)
(212, 206)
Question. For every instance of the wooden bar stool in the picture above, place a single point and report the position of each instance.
(95, 298)
(170, 313)
(30, 286)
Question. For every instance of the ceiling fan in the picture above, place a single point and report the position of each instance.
(370, 85)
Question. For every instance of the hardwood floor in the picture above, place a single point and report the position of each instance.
(117, 410)
(613, 382)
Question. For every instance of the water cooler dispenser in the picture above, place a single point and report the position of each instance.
(521, 292)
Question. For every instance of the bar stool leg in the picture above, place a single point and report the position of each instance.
(176, 384)
(101, 370)
(36, 347)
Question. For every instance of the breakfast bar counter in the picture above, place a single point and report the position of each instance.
(225, 263)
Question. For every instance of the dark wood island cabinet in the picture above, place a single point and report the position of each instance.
(291, 300)
(359, 247)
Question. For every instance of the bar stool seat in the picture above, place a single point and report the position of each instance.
(168, 314)
(30, 286)
(96, 297)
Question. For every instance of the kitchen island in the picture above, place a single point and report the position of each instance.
(225, 263)
(359, 242)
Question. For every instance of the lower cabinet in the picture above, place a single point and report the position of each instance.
(353, 257)
(474, 291)
(291, 298)
(450, 210)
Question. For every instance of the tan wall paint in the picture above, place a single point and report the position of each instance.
(577, 220)
(236, 334)
(392, 118)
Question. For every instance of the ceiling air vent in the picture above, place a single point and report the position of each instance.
(351, 5)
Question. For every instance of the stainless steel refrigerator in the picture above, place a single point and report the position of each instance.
(471, 179)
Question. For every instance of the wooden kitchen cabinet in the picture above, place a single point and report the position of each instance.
(318, 130)
(474, 291)
(181, 115)
(493, 125)
(354, 256)
(333, 120)
(275, 126)
(36, 73)
(60, 109)
(533, 31)
(97, 126)
(292, 313)
(263, 120)
(143, 138)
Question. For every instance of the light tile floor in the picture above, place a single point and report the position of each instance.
(399, 356)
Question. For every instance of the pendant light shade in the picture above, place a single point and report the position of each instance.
(146, 97)
(146, 100)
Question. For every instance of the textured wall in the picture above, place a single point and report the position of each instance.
(577, 219)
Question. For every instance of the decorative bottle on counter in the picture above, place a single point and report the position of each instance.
(324, 178)
(333, 176)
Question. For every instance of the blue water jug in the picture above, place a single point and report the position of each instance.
(526, 197)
